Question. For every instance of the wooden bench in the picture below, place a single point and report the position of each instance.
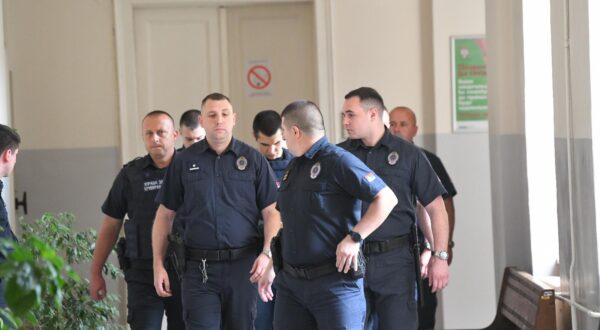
(525, 303)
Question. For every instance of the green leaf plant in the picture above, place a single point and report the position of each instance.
(41, 289)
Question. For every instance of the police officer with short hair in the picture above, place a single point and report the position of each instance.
(220, 188)
(319, 285)
(392, 268)
(132, 194)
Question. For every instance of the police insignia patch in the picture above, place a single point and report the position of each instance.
(392, 158)
(241, 163)
(315, 170)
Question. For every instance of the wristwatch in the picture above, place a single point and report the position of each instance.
(355, 237)
(441, 254)
(427, 245)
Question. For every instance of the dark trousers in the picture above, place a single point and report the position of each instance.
(333, 301)
(226, 301)
(390, 290)
(427, 312)
(145, 308)
(264, 314)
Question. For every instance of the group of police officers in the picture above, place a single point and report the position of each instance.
(325, 232)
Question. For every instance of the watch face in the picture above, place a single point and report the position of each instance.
(442, 255)
(355, 237)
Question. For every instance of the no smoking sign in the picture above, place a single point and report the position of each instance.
(258, 78)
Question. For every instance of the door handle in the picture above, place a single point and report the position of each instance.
(23, 203)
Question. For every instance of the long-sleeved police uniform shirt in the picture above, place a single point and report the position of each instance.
(219, 198)
(320, 202)
(405, 169)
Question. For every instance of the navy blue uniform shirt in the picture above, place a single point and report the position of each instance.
(219, 197)
(4, 223)
(320, 201)
(280, 164)
(440, 170)
(405, 169)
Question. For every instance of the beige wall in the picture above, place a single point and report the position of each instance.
(62, 59)
(378, 44)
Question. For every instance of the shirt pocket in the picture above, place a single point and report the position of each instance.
(317, 194)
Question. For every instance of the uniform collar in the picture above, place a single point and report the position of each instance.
(316, 147)
(147, 160)
(234, 146)
(386, 140)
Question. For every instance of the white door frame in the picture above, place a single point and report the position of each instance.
(126, 69)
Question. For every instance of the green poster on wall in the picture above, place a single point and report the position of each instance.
(469, 84)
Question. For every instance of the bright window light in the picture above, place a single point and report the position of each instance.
(539, 131)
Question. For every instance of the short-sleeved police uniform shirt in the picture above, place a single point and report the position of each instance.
(405, 169)
(320, 201)
(219, 197)
(132, 194)
(440, 170)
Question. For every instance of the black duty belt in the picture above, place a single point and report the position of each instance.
(310, 273)
(385, 246)
(219, 255)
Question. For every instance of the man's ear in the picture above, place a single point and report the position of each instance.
(297, 132)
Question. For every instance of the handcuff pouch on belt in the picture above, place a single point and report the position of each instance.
(276, 252)
(414, 240)
(176, 255)
(124, 263)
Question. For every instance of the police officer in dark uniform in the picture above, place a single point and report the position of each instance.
(319, 199)
(403, 123)
(132, 194)
(9, 148)
(392, 266)
(220, 188)
(266, 128)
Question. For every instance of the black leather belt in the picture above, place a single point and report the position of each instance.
(385, 246)
(310, 273)
(219, 255)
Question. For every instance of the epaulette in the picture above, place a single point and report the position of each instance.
(133, 162)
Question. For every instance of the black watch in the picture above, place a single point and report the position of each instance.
(355, 237)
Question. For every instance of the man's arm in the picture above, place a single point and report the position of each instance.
(449, 204)
(438, 269)
(378, 211)
(163, 222)
(109, 233)
(272, 224)
(425, 226)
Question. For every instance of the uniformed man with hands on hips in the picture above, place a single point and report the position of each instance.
(132, 194)
(319, 280)
(220, 188)
(392, 266)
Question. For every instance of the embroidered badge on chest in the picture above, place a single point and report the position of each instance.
(241, 163)
(315, 170)
(392, 158)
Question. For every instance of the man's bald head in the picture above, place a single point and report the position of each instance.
(305, 115)
(403, 123)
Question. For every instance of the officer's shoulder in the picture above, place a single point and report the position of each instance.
(134, 162)
(403, 145)
(245, 149)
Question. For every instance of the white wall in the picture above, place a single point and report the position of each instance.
(466, 157)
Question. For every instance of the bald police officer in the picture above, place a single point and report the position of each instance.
(132, 194)
(320, 285)
(220, 188)
(391, 275)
